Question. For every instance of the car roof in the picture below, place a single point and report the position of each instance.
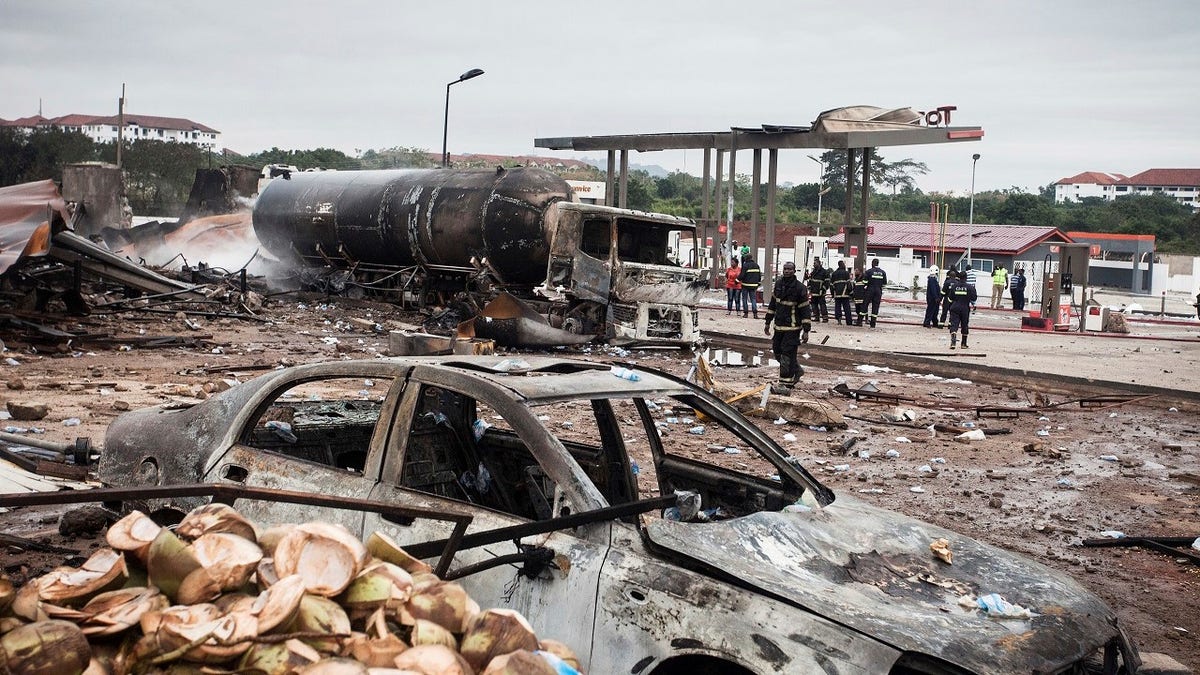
(538, 379)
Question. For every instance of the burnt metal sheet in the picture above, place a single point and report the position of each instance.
(26, 212)
(512, 323)
(872, 570)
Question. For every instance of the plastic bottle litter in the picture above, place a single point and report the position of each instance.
(1113, 534)
(925, 468)
(917, 489)
(697, 430)
(972, 435)
(998, 607)
(789, 437)
(938, 460)
(626, 374)
(892, 454)
(1043, 432)
(903, 439)
(71, 422)
(15, 430)
(841, 467)
(732, 451)
(479, 428)
(814, 428)
(1108, 458)
(779, 421)
(283, 430)
(967, 425)
(12, 362)
(864, 454)
(509, 365)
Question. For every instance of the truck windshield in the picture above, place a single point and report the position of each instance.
(652, 243)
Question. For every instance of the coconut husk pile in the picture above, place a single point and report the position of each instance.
(218, 595)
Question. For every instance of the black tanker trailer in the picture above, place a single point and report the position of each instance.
(590, 269)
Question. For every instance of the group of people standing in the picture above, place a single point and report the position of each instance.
(956, 296)
(1013, 283)
(741, 284)
(796, 303)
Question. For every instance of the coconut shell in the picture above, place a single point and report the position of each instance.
(445, 604)
(376, 652)
(494, 632)
(334, 667)
(45, 648)
(520, 662)
(134, 533)
(7, 593)
(269, 538)
(320, 615)
(103, 571)
(27, 603)
(215, 517)
(434, 660)
(426, 632)
(279, 604)
(386, 549)
(227, 561)
(8, 623)
(562, 651)
(327, 556)
(281, 658)
(169, 561)
(115, 611)
(265, 573)
(380, 585)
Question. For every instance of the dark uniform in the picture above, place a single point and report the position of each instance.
(876, 280)
(751, 277)
(933, 297)
(792, 316)
(818, 284)
(860, 296)
(950, 276)
(842, 286)
(962, 296)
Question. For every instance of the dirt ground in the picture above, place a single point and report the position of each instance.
(1039, 484)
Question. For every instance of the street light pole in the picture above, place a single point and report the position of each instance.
(971, 213)
(474, 72)
(820, 192)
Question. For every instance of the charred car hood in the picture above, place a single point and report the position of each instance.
(872, 570)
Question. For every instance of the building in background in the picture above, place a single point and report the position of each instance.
(1086, 184)
(1182, 185)
(137, 127)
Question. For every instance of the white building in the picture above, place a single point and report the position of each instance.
(1086, 184)
(1182, 185)
(137, 127)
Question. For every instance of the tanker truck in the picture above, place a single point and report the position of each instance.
(439, 233)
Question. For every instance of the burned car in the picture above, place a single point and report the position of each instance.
(761, 569)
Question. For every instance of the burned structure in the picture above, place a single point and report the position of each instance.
(436, 235)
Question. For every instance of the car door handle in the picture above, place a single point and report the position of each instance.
(234, 473)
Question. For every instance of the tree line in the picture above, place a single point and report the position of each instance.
(159, 177)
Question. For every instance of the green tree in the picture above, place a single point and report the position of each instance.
(27, 157)
(318, 158)
(158, 174)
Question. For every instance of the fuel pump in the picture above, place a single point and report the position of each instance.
(1064, 269)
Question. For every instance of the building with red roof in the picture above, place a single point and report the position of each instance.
(1086, 184)
(103, 129)
(1182, 185)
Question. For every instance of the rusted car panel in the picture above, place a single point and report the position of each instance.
(826, 585)
(872, 570)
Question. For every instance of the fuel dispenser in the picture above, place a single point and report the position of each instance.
(1064, 269)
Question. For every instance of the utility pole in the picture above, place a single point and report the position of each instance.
(120, 124)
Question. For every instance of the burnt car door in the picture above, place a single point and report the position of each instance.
(322, 432)
(466, 447)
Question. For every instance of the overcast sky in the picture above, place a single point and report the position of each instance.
(1059, 87)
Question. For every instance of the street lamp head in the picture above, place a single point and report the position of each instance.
(818, 161)
(975, 157)
(474, 72)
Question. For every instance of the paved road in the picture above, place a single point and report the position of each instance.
(1155, 353)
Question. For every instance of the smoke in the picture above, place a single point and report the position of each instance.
(224, 241)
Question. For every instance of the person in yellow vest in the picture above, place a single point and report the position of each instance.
(999, 283)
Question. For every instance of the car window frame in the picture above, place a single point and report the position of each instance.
(581, 493)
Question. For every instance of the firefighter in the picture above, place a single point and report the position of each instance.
(791, 313)
(962, 298)
(750, 277)
(818, 283)
(950, 276)
(842, 286)
(860, 295)
(876, 280)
